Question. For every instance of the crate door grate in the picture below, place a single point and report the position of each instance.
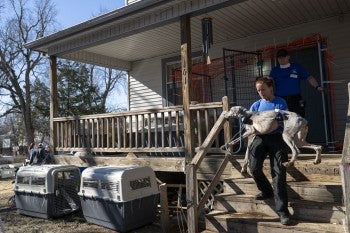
(66, 198)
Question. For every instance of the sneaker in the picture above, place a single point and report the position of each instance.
(285, 220)
(263, 196)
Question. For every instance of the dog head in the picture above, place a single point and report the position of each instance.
(238, 111)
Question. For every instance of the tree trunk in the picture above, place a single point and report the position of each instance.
(27, 117)
(29, 127)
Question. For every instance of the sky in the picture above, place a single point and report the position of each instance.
(72, 12)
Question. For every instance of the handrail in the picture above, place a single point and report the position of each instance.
(140, 131)
(141, 111)
(119, 114)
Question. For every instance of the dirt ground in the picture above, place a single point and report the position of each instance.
(12, 222)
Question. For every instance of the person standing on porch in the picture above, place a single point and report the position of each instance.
(273, 145)
(287, 77)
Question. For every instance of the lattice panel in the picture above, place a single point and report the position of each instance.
(203, 187)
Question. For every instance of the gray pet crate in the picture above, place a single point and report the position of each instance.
(8, 170)
(47, 191)
(119, 198)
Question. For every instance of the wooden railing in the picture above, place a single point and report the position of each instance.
(156, 131)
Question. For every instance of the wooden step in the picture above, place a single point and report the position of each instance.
(303, 170)
(313, 211)
(218, 221)
(305, 190)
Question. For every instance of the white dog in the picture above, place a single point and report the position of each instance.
(294, 132)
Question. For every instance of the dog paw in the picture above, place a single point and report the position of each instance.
(288, 164)
(244, 170)
(317, 161)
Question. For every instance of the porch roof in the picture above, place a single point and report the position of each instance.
(151, 28)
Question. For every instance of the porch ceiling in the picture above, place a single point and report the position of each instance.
(155, 31)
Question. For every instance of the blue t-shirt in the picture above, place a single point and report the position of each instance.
(287, 80)
(263, 105)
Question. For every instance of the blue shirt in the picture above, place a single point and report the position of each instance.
(263, 105)
(287, 80)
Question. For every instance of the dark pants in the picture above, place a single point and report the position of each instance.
(272, 145)
(295, 104)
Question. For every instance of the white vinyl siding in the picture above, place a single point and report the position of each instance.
(145, 85)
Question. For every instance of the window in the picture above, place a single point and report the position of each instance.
(201, 82)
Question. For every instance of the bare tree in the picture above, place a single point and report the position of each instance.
(19, 66)
(109, 81)
(86, 89)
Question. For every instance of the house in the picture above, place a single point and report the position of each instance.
(158, 41)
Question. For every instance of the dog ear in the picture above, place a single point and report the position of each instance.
(242, 110)
(285, 116)
(247, 121)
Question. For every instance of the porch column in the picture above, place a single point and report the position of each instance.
(345, 167)
(53, 102)
(227, 125)
(191, 177)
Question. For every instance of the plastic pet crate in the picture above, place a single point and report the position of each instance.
(8, 170)
(47, 191)
(119, 198)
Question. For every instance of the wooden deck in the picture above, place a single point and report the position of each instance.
(209, 165)
(153, 138)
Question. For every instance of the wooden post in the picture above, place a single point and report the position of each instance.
(53, 102)
(346, 145)
(345, 167)
(164, 209)
(227, 126)
(191, 179)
